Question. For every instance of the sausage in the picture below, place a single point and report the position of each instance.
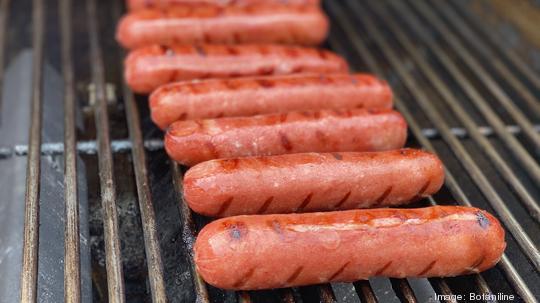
(188, 24)
(148, 68)
(194, 141)
(311, 182)
(287, 250)
(216, 98)
(161, 4)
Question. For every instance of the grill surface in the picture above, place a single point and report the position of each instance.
(465, 80)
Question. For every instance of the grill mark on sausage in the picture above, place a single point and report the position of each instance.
(285, 142)
(232, 51)
(200, 50)
(382, 269)
(384, 195)
(306, 201)
(265, 83)
(338, 156)
(420, 193)
(229, 164)
(427, 269)
(212, 149)
(276, 227)
(322, 54)
(320, 136)
(236, 38)
(265, 70)
(339, 271)
(342, 201)
(482, 220)
(294, 275)
(206, 38)
(182, 116)
(317, 115)
(224, 206)
(245, 278)
(267, 203)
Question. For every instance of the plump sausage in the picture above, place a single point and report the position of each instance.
(272, 251)
(311, 182)
(216, 98)
(148, 68)
(188, 24)
(195, 141)
(145, 4)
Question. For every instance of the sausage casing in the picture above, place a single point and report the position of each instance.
(311, 182)
(145, 4)
(192, 24)
(215, 98)
(272, 251)
(149, 67)
(194, 141)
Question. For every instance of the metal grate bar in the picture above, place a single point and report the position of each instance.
(115, 278)
(523, 67)
(469, 164)
(188, 235)
(365, 292)
(480, 72)
(450, 181)
(326, 294)
(72, 270)
(532, 102)
(31, 212)
(506, 172)
(153, 254)
(4, 8)
(404, 290)
(483, 106)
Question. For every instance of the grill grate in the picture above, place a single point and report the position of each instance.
(466, 97)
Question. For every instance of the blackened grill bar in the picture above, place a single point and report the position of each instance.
(384, 36)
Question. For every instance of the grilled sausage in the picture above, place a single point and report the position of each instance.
(272, 251)
(161, 4)
(195, 141)
(311, 182)
(149, 67)
(188, 24)
(263, 95)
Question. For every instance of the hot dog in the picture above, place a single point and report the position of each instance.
(311, 182)
(148, 68)
(145, 4)
(195, 141)
(216, 98)
(272, 251)
(188, 24)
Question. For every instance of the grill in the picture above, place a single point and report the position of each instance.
(101, 219)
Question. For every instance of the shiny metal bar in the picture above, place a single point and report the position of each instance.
(450, 181)
(115, 279)
(326, 294)
(404, 290)
(502, 166)
(146, 206)
(31, 211)
(506, 216)
(189, 234)
(532, 102)
(72, 269)
(479, 71)
(484, 107)
(365, 292)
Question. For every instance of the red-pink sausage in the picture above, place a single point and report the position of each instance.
(311, 182)
(148, 68)
(272, 251)
(192, 24)
(215, 98)
(145, 4)
(195, 141)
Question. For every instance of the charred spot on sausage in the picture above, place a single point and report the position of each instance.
(420, 194)
(236, 229)
(338, 156)
(274, 224)
(383, 197)
(427, 269)
(285, 142)
(342, 201)
(200, 50)
(382, 269)
(305, 202)
(483, 221)
(339, 271)
(267, 203)
(224, 206)
(229, 164)
(295, 274)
